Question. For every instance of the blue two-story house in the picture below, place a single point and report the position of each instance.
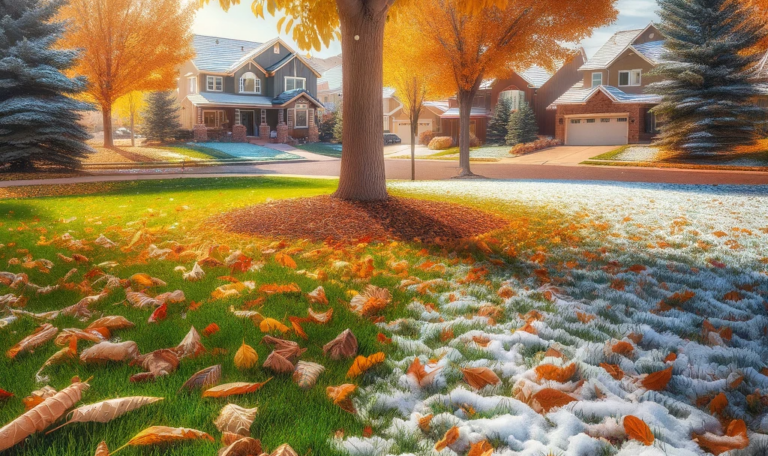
(267, 88)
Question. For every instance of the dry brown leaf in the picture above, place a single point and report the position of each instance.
(481, 448)
(112, 323)
(623, 348)
(246, 357)
(479, 377)
(448, 439)
(556, 373)
(191, 346)
(637, 429)
(735, 438)
(242, 447)
(268, 325)
(108, 351)
(340, 396)
(306, 374)
(106, 411)
(657, 381)
(236, 419)
(204, 379)
(42, 416)
(158, 363)
(343, 346)
(285, 260)
(549, 398)
(278, 363)
(102, 449)
(371, 301)
(424, 422)
(362, 364)
(162, 434)
(231, 389)
(718, 404)
(96, 335)
(613, 370)
(284, 450)
(417, 371)
(320, 317)
(41, 335)
(317, 296)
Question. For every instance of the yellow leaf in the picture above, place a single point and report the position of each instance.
(246, 357)
(270, 324)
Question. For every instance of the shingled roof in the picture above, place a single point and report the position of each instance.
(611, 49)
(216, 55)
(577, 94)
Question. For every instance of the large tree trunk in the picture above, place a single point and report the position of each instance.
(362, 175)
(133, 134)
(414, 129)
(465, 109)
(106, 115)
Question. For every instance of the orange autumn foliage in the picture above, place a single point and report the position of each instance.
(285, 260)
(657, 381)
(549, 398)
(735, 438)
(718, 404)
(448, 439)
(556, 373)
(362, 364)
(481, 448)
(613, 370)
(623, 348)
(636, 429)
(480, 377)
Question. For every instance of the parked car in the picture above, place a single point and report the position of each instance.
(124, 133)
(391, 138)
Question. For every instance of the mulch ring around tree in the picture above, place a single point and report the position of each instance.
(327, 218)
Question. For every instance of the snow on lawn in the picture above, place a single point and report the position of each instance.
(250, 151)
(664, 280)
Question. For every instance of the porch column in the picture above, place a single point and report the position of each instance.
(282, 127)
(263, 127)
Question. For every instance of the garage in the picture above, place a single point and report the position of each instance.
(403, 129)
(597, 130)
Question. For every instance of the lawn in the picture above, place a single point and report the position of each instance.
(328, 149)
(247, 151)
(752, 158)
(195, 152)
(579, 309)
(477, 154)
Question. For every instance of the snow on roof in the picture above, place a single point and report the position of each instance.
(453, 113)
(220, 98)
(611, 49)
(536, 76)
(578, 94)
(388, 92)
(441, 105)
(333, 77)
(652, 50)
(216, 54)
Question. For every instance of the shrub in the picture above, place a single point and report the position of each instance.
(327, 126)
(473, 141)
(522, 126)
(426, 137)
(526, 148)
(440, 143)
(338, 126)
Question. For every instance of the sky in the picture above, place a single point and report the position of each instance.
(240, 23)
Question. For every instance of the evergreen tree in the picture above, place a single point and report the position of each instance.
(707, 92)
(161, 118)
(38, 116)
(339, 126)
(497, 126)
(522, 126)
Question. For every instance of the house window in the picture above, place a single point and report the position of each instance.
(605, 120)
(192, 84)
(630, 78)
(621, 119)
(386, 123)
(597, 79)
(590, 120)
(249, 83)
(292, 83)
(213, 119)
(276, 49)
(478, 101)
(516, 98)
(575, 121)
(214, 83)
(302, 118)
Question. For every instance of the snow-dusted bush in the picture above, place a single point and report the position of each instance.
(440, 143)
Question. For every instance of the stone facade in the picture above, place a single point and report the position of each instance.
(200, 133)
(239, 133)
(601, 104)
(264, 132)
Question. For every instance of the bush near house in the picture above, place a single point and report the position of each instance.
(522, 149)
(338, 126)
(327, 127)
(440, 143)
(426, 137)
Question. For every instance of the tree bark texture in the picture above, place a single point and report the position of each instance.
(362, 176)
(465, 109)
(106, 115)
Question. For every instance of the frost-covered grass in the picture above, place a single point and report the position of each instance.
(249, 151)
(482, 153)
(328, 149)
(649, 155)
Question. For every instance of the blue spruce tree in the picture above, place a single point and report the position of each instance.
(497, 126)
(38, 114)
(707, 85)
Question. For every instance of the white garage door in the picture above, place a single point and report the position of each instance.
(596, 131)
(403, 130)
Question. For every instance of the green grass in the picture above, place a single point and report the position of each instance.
(326, 149)
(306, 420)
(199, 152)
(610, 155)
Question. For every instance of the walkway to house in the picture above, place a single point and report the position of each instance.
(563, 155)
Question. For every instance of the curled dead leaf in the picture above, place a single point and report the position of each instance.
(236, 419)
(480, 377)
(343, 346)
(448, 439)
(637, 429)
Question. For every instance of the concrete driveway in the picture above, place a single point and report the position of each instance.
(561, 155)
(393, 150)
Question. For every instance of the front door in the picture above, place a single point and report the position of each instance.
(247, 118)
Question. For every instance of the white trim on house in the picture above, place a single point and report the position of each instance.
(298, 109)
(597, 73)
(629, 78)
(192, 84)
(219, 117)
(256, 83)
(208, 84)
(597, 138)
(238, 68)
(294, 78)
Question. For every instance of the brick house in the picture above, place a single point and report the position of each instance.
(535, 86)
(248, 90)
(608, 105)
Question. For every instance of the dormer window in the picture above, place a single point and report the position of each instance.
(630, 78)
(192, 85)
(249, 83)
(597, 79)
(276, 49)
